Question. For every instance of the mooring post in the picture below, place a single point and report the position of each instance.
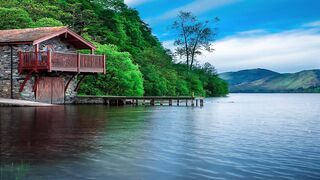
(201, 102)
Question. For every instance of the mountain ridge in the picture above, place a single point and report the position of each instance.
(266, 81)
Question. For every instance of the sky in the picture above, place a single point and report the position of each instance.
(280, 35)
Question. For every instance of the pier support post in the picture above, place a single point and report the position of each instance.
(192, 102)
(170, 102)
(137, 102)
(197, 102)
(201, 102)
(152, 102)
(186, 102)
(178, 102)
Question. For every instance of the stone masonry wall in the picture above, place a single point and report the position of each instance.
(27, 94)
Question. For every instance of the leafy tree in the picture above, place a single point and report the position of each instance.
(122, 77)
(47, 22)
(14, 18)
(193, 36)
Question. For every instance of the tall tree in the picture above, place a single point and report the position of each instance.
(194, 36)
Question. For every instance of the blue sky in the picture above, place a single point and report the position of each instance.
(281, 35)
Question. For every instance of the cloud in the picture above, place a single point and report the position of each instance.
(197, 7)
(312, 24)
(287, 51)
(133, 3)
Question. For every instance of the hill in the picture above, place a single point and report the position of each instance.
(137, 63)
(266, 81)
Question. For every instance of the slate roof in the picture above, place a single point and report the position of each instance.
(37, 35)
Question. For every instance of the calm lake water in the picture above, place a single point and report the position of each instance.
(249, 136)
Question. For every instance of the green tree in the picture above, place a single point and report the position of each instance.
(47, 22)
(122, 78)
(14, 18)
(193, 36)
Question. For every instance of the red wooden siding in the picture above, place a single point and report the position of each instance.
(57, 85)
(50, 90)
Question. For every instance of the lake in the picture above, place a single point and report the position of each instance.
(249, 136)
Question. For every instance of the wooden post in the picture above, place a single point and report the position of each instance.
(49, 60)
(152, 102)
(78, 62)
(20, 62)
(104, 64)
(137, 102)
(201, 102)
(197, 102)
(144, 101)
(170, 102)
(37, 57)
(186, 102)
(192, 102)
(178, 102)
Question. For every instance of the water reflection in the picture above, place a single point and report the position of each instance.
(46, 133)
(243, 136)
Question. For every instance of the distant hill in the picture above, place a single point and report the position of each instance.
(263, 80)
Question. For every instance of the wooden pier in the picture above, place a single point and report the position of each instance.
(142, 100)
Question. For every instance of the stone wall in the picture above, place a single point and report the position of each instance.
(5, 73)
(27, 93)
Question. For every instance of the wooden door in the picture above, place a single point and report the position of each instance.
(50, 90)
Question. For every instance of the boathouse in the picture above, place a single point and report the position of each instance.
(44, 64)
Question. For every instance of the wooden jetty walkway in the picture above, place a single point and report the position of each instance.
(141, 100)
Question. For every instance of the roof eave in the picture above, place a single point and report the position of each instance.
(66, 30)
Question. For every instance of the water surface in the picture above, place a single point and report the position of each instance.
(249, 136)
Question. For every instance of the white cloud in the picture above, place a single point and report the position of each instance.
(197, 7)
(133, 3)
(288, 51)
(313, 24)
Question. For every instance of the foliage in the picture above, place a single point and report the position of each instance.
(193, 36)
(122, 76)
(14, 18)
(47, 22)
(137, 63)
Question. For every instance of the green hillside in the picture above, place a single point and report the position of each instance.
(261, 80)
(137, 63)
